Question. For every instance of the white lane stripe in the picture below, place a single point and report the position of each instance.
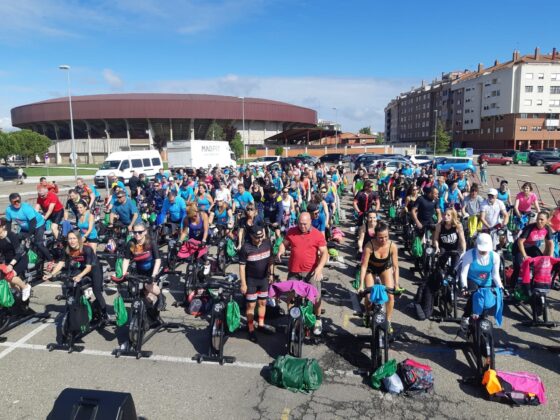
(162, 358)
(14, 345)
(112, 288)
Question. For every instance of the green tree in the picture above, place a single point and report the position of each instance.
(279, 151)
(237, 146)
(230, 133)
(443, 139)
(365, 130)
(215, 132)
(380, 139)
(30, 144)
(252, 151)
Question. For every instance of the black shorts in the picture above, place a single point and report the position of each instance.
(56, 217)
(256, 289)
(21, 266)
(307, 278)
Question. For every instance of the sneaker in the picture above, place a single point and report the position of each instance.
(318, 328)
(464, 324)
(390, 329)
(25, 293)
(252, 336)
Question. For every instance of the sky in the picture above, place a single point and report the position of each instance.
(345, 59)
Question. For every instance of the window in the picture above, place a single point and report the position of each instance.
(529, 76)
(125, 164)
(146, 162)
(540, 89)
(527, 102)
(156, 162)
(523, 116)
(136, 163)
(555, 90)
(555, 76)
(528, 89)
(555, 102)
(540, 76)
(536, 128)
(539, 102)
(494, 81)
(523, 128)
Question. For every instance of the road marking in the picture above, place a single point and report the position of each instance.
(345, 320)
(285, 414)
(112, 288)
(21, 342)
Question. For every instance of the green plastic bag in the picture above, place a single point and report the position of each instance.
(119, 268)
(303, 206)
(417, 248)
(392, 212)
(85, 301)
(230, 248)
(359, 185)
(152, 218)
(382, 372)
(120, 311)
(276, 246)
(520, 295)
(356, 282)
(233, 316)
(107, 219)
(303, 375)
(32, 256)
(309, 317)
(6, 295)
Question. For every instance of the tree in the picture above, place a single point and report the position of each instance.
(30, 144)
(8, 146)
(365, 130)
(252, 151)
(230, 133)
(237, 146)
(279, 151)
(443, 139)
(215, 132)
(159, 142)
(380, 139)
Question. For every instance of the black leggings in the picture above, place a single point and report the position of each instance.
(38, 238)
(97, 286)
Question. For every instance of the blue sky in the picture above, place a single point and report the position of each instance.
(350, 55)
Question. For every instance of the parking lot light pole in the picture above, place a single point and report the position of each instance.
(335, 130)
(74, 154)
(435, 131)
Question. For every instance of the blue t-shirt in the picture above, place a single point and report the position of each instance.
(126, 211)
(177, 211)
(320, 223)
(187, 193)
(243, 199)
(23, 216)
(407, 172)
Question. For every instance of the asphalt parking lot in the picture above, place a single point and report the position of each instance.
(170, 385)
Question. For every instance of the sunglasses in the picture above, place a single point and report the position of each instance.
(138, 232)
(16, 202)
(120, 196)
(250, 209)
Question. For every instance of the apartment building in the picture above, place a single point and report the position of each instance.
(512, 105)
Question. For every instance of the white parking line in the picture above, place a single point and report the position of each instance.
(112, 288)
(21, 342)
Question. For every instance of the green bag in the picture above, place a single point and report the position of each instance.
(336, 218)
(230, 248)
(85, 301)
(520, 295)
(32, 257)
(119, 268)
(392, 212)
(309, 317)
(359, 185)
(6, 295)
(303, 375)
(417, 248)
(107, 219)
(276, 246)
(120, 311)
(356, 282)
(233, 316)
(303, 206)
(152, 218)
(384, 371)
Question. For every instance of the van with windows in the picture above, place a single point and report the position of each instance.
(123, 165)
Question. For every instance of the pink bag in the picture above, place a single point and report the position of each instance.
(190, 247)
(518, 386)
(337, 234)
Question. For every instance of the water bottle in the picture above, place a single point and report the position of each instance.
(206, 268)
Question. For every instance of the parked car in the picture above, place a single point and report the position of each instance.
(307, 159)
(364, 157)
(420, 159)
(552, 168)
(495, 159)
(540, 158)
(509, 153)
(265, 160)
(460, 164)
(7, 174)
(335, 158)
(283, 163)
(521, 157)
(391, 165)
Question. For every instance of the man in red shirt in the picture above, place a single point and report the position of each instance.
(51, 187)
(51, 207)
(308, 257)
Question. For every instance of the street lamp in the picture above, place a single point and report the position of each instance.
(243, 113)
(74, 154)
(435, 131)
(335, 130)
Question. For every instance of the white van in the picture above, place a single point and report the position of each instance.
(123, 164)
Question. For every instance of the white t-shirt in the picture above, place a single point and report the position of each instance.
(492, 211)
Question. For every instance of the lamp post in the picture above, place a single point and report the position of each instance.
(335, 130)
(74, 154)
(435, 131)
(243, 114)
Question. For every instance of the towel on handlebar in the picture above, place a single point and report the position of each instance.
(487, 298)
(190, 247)
(300, 287)
(542, 270)
(378, 295)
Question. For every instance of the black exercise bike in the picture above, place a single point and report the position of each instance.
(376, 318)
(447, 294)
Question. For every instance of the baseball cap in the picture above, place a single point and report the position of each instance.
(312, 207)
(484, 242)
(493, 191)
(220, 195)
(256, 230)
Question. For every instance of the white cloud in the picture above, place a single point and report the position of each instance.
(112, 79)
(359, 101)
(6, 124)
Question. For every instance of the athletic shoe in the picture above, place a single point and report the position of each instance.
(25, 293)
(252, 336)
(390, 329)
(318, 328)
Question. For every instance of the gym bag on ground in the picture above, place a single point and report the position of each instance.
(516, 388)
(6, 295)
(385, 370)
(295, 374)
(309, 318)
(416, 377)
(233, 316)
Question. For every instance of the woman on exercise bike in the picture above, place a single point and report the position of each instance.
(15, 259)
(381, 259)
(367, 232)
(525, 200)
(81, 261)
(86, 223)
(195, 225)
